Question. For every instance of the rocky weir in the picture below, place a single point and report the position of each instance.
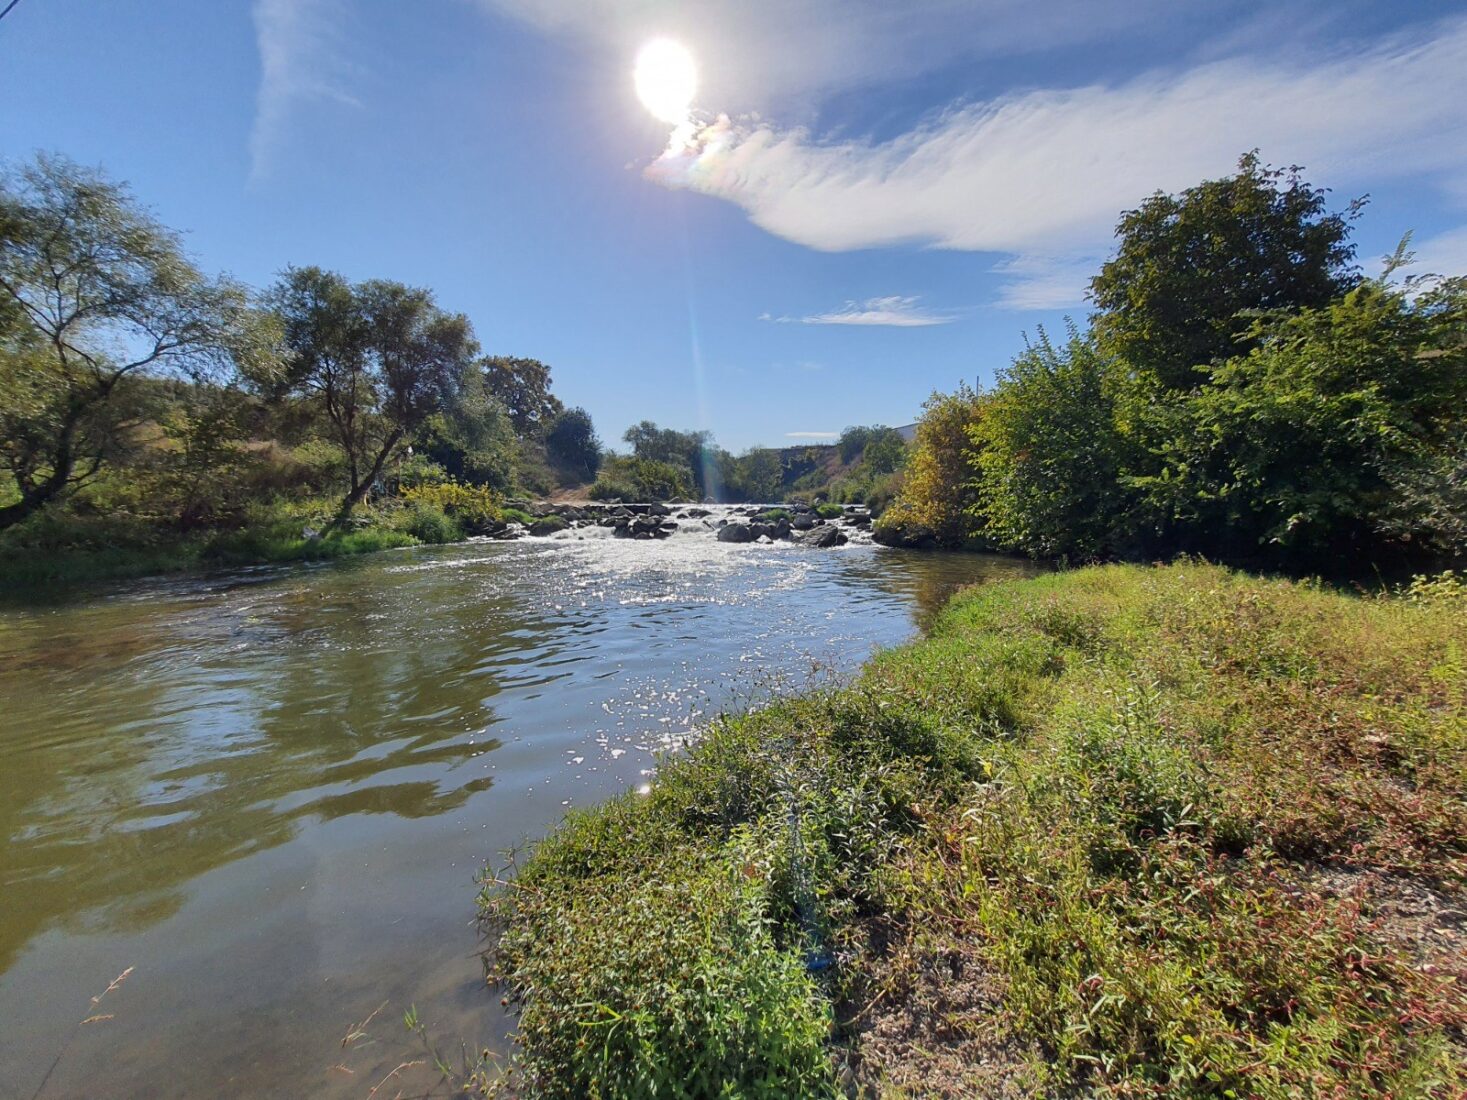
(743, 523)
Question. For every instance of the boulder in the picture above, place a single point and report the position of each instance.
(547, 525)
(645, 526)
(735, 532)
(823, 538)
(804, 521)
(913, 536)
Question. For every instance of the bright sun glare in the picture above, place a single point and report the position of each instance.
(666, 79)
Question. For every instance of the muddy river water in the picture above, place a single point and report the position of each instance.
(265, 795)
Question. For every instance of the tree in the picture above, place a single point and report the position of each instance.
(1312, 433)
(472, 439)
(631, 478)
(96, 295)
(694, 451)
(1050, 456)
(852, 442)
(884, 452)
(379, 358)
(571, 444)
(758, 475)
(522, 386)
(1189, 267)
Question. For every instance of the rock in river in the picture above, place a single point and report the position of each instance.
(735, 532)
(824, 538)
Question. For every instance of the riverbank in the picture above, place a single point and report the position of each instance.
(1130, 831)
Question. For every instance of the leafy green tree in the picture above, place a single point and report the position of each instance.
(694, 451)
(96, 295)
(472, 439)
(379, 358)
(522, 386)
(1312, 432)
(884, 453)
(1189, 267)
(758, 476)
(630, 478)
(571, 444)
(852, 442)
(1050, 455)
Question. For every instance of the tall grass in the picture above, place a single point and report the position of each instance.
(1164, 815)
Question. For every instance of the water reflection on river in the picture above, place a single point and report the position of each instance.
(269, 792)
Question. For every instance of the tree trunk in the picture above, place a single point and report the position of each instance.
(35, 497)
(360, 488)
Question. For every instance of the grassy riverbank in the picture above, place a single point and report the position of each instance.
(1136, 831)
(63, 549)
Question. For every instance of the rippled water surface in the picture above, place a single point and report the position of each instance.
(268, 793)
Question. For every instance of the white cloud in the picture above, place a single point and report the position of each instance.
(1444, 254)
(1045, 281)
(812, 435)
(762, 54)
(300, 61)
(895, 310)
(1042, 175)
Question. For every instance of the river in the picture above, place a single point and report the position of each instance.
(265, 795)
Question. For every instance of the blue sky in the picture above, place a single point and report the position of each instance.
(876, 201)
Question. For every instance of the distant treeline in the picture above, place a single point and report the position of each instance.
(151, 411)
(1241, 392)
(861, 468)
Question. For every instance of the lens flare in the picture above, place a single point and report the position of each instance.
(666, 79)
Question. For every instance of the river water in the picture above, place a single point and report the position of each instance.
(265, 795)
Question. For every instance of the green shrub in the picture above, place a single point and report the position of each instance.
(516, 515)
(428, 523)
(474, 504)
(642, 479)
(829, 511)
(672, 986)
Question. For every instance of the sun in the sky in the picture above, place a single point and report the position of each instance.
(666, 79)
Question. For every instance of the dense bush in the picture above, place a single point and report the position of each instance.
(641, 479)
(937, 488)
(474, 504)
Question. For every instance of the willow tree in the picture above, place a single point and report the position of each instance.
(379, 359)
(95, 295)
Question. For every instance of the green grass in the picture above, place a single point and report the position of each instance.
(1161, 814)
(516, 515)
(829, 511)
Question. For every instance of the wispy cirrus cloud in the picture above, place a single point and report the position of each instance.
(1443, 254)
(1042, 175)
(301, 60)
(895, 310)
